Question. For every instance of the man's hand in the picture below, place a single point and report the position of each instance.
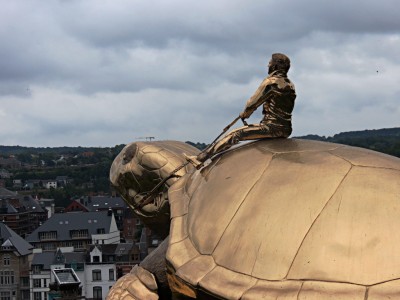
(245, 114)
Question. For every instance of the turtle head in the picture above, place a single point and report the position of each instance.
(138, 169)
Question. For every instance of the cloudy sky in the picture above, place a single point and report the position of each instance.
(101, 73)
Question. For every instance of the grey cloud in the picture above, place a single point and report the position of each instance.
(183, 69)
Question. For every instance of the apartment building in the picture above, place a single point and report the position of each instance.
(76, 230)
(15, 254)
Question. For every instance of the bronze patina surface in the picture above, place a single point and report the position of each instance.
(283, 219)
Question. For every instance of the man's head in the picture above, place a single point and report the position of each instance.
(279, 61)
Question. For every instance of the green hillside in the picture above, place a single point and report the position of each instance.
(385, 140)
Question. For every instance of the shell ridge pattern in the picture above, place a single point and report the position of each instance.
(205, 274)
(366, 293)
(367, 157)
(185, 235)
(244, 199)
(340, 156)
(270, 142)
(361, 165)
(319, 290)
(245, 145)
(255, 261)
(298, 293)
(317, 217)
(177, 146)
(298, 151)
(245, 291)
(185, 197)
(167, 159)
(385, 281)
(185, 191)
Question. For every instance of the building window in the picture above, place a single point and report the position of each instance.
(37, 296)
(111, 274)
(37, 269)
(96, 275)
(24, 281)
(78, 244)
(25, 294)
(48, 235)
(48, 246)
(36, 283)
(6, 277)
(101, 231)
(6, 260)
(5, 295)
(79, 233)
(97, 293)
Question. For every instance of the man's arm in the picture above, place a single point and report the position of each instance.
(256, 100)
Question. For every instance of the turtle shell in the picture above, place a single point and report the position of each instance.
(288, 219)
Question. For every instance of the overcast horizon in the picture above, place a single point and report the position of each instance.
(80, 73)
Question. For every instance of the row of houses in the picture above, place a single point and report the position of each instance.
(29, 184)
(23, 214)
(88, 243)
(96, 237)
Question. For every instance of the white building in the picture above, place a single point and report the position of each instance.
(48, 184)
(100, 276)
(96, 275)
(40, 274)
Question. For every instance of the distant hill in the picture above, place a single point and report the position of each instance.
(385, 140)
(200, 146)
(36, 150)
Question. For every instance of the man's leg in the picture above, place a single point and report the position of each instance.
(245, 133)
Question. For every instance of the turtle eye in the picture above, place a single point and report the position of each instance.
(130, 152)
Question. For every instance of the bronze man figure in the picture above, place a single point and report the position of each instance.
(277, 94)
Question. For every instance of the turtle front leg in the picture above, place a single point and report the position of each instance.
(146, 281)
(138, 284)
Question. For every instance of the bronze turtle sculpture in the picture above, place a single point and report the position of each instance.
(277, 219)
